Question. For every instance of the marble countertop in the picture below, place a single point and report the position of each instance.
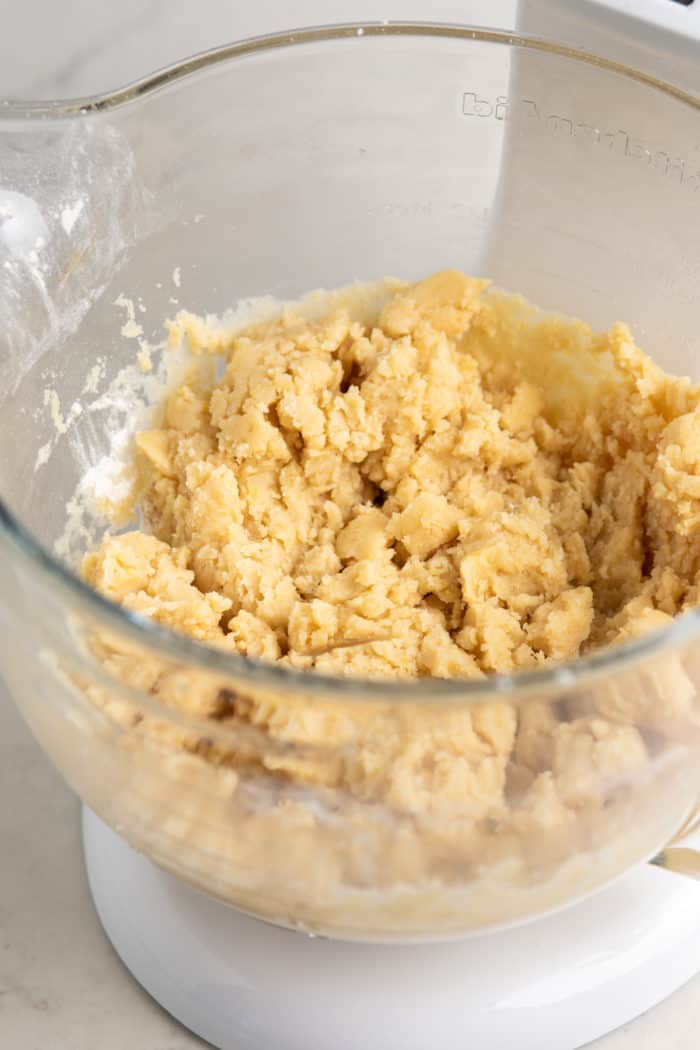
(61, 985)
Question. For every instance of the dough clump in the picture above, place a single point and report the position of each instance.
(457, 486)
(415, 481)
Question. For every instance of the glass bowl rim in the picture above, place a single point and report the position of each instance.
(183, 649)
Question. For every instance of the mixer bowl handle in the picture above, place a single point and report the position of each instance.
(683, 860)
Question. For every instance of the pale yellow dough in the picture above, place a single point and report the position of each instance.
(446, 491)
(449, 484)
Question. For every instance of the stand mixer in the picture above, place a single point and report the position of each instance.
(105, 197)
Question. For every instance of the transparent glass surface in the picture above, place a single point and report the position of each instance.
(273, 168)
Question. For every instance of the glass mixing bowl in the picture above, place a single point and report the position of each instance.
(351, 808)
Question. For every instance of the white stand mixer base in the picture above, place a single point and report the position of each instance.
(553, 984)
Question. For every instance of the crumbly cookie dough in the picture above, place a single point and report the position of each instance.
(449, 485)
(419, 496)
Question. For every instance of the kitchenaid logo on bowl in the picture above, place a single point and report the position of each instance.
(676, 169)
